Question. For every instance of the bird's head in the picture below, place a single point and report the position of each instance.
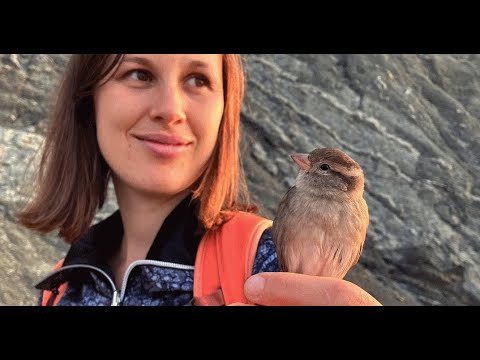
(328, 171)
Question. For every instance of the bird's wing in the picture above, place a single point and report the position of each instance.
(283, 205)
(280, 226)
(364, 221)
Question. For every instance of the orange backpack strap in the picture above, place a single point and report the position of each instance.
(48, 296)
(225, 260)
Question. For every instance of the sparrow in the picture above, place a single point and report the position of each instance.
(321, 223)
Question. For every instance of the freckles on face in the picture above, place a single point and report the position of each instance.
(158, 119)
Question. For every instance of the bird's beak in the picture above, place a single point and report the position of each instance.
(302, 161)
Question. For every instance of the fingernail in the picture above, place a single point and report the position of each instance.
(254, 285)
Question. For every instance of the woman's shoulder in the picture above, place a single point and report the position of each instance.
(250, 229)
(248, 238)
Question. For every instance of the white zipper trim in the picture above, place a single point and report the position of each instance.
(112, 284)
(115, 299)
(117, 296)
(149, 262)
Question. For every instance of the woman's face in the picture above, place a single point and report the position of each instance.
(157, 120)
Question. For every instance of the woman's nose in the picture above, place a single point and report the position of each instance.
(167, 104)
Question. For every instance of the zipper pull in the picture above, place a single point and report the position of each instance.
(116, 298)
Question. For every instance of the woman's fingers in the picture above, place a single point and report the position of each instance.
(289, 289)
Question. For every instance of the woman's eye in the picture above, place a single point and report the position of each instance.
(197, 81)
(325, 167)
(140, 75)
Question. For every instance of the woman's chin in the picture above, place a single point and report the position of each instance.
(163, 190)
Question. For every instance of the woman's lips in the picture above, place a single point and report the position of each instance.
(164, 145)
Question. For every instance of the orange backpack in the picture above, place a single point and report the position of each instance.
(224, 262)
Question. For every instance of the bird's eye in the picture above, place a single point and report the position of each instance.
(325, 167)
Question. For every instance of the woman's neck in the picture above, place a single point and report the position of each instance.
(142, 217)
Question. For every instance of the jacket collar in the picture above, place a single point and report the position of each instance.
(176, 241)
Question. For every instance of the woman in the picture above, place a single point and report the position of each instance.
(165, 129)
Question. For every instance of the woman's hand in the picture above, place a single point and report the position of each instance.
(289, 289)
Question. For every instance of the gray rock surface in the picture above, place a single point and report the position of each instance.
(411, 121)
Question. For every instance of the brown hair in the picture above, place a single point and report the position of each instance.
(73, 175)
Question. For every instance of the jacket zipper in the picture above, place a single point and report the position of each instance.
(116, 298)
(118, 294)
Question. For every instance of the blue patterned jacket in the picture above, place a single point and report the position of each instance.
(165, 277)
